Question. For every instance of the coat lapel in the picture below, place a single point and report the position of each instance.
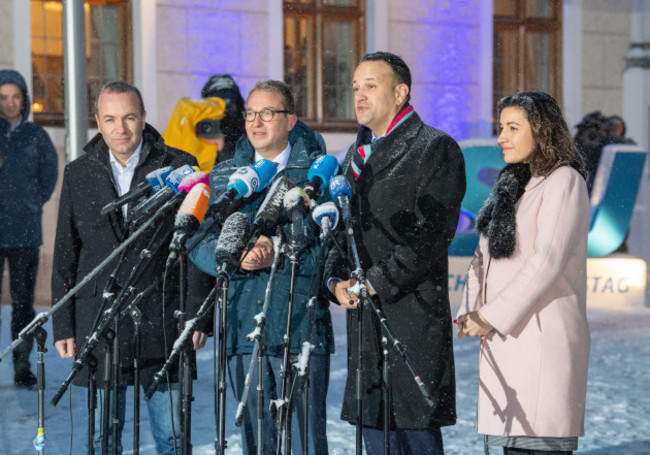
(388, 151)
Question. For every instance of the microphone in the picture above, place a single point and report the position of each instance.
(341, 192)
(243, 183)
(271, 206)
(296, 203)
(176, 184)
(188, 219)
(321, 171)
(326, 216)
(154, 180)
(269, 212)
(232, 242)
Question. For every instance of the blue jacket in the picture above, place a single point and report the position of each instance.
(246, 292)
(28, 173)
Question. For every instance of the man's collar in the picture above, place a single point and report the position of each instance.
(131, 162)
(281, 160)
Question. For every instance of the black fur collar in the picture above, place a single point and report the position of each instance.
(497, 219)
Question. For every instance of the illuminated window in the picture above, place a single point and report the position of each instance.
(108, 53)
(323, 42)
(527, 47)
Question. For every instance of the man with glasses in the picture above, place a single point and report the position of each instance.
(274, 133)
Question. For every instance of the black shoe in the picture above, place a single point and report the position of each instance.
(24, 378)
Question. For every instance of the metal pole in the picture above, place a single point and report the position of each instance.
(76, 87)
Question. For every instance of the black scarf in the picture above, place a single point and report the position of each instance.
(497, 219)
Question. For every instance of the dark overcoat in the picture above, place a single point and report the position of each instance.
(84, 238)
(406, 205)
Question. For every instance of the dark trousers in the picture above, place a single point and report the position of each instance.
(404, 442)
(23, 264)
(319, 368)
(511, 451)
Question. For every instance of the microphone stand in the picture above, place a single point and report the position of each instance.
(281, 405)
(184, 367)
(136, 315)
(92, 402)
(359, 275)
(364, 300)
(258, 352)
(42, 318)
(40, 335)
(223, 282)
(387, 393)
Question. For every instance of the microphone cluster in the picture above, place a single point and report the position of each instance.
(166, 187)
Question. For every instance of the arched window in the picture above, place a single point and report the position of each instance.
(323, 42)
(108, 53)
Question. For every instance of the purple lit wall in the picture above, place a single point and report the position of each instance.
(439, 39)
(200, 38)
(440, 42)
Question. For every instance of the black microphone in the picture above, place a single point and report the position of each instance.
(154, 182)
(269, 212)
(232, 242)
(296, 204)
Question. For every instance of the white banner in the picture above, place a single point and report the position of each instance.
(612, 282)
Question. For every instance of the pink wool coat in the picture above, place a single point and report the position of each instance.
(533, 366)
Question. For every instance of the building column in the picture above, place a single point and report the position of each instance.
(636, 112)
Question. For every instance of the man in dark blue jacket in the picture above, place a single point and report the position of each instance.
(28, 172)
(274, 133)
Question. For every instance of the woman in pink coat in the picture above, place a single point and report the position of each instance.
(526, 287)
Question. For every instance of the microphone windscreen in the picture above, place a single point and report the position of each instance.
(175, 177)
(189, 181)
(271, 206)
(326, 210)
(340, 186)
(266, 170)
(233, 238)
(245, 181)
(157, 178)
(294, 198)
(195, 203)
(324, 167)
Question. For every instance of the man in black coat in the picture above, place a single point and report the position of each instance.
(118, 158)
(28, 172)
(408, 181)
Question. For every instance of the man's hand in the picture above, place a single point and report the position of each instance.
(340, 290)
(65, 348)
(260, 256)
(473, 325)
(199, 339)
(347, 292)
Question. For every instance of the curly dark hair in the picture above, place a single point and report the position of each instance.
(553, 143)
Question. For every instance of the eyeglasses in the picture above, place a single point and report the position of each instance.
(266, 115)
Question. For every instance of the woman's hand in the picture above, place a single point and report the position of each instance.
(473, 325)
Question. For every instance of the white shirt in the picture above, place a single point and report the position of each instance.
(124, 174)
(281, 160)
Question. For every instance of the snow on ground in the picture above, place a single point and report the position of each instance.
(618, 402)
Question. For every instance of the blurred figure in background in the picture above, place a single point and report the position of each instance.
(232, 125)
(28, 173)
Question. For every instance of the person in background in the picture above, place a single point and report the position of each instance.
(28, 173)
(525, 295)
(232, 125)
